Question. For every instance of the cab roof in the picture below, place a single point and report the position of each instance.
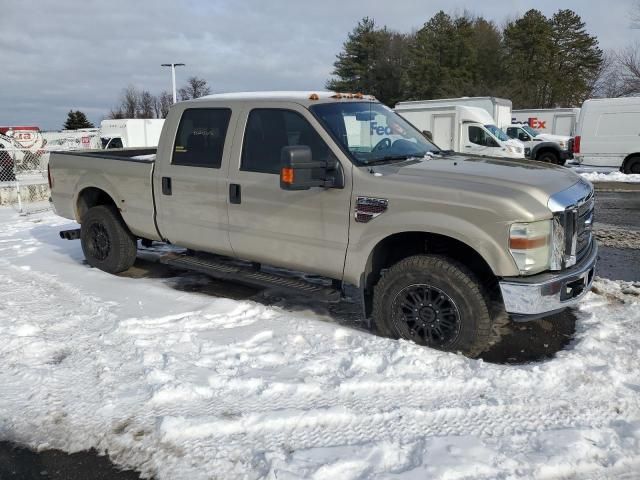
(305, 97)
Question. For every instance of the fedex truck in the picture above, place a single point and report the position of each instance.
(461, 129)
(554, 121)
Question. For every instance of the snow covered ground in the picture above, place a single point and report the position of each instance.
(182, 384)
(611, 177)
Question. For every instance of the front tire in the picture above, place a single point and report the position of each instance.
(434, 302)
(549, 157)
(106, 241)
(632, 165)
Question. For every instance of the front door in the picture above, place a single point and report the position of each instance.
(190, 187)
(302, 230)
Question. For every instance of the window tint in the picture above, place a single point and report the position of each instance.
(200, 138)
(110, 143)
(269, 130)
(478, 136)
(512, 132)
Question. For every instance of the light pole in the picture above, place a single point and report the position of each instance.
(173, 76)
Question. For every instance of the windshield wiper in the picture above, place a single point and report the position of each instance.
(392, 158)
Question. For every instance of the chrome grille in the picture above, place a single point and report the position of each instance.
(573, 221)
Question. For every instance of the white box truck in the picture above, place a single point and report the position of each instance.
(555, 121)
(608, 134)
(498, 108)
(130, 132)
(461, 129)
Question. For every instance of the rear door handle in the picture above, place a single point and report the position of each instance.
(235, 195)
(166, 185)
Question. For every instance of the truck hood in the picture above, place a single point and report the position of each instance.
(490, 175)
(548, 137)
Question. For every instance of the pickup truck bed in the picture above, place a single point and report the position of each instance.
(126, 175)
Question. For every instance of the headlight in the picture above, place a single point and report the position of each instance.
(530, 246)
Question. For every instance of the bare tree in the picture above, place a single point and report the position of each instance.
(629, 60)
(195, 88)
(162, 104)
(130, 101)
(146, 103)
(115, 113)
(608, 83)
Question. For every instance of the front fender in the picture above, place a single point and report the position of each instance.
(491, 242)
(546, 145)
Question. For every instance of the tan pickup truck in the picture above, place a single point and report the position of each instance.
(340, 186)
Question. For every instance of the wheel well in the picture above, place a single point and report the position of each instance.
(402, 245)
(92, 197)
(628, 159)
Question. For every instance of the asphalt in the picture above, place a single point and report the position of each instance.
(617, 228)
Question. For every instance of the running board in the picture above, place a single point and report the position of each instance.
(249, 276)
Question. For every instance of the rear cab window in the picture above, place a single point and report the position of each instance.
(201, 136)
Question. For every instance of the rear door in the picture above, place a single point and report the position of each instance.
(190, 184)
(303, 230)
(443, 131)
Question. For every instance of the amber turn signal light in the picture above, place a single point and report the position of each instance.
(286, 175)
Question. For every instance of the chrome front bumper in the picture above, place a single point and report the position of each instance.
(551, 291)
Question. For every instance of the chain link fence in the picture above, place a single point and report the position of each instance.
(23, 179)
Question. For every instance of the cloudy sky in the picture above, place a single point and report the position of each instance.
(62, 54)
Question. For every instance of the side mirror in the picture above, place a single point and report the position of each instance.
(523, 137)
(428, 135)
(298, 170)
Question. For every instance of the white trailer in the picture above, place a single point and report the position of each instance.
(461, 129)
(608, 134)
(130, 132)
(555, 121)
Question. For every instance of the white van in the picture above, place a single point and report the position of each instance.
(131, 132)
(608, 134)
(554, 121)
(461, 129)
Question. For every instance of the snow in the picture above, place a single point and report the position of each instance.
(228, 383)
(611, 177)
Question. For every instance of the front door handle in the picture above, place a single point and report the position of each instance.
(166, 185)
(235, 195)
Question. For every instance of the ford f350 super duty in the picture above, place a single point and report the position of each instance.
(340, 186)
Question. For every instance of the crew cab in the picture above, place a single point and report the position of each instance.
(340, 186)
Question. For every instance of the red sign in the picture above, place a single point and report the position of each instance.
(535, 123)
(86, 142)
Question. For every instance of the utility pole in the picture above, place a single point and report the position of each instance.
(173, 76)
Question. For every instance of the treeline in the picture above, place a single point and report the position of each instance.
(140, 103)
(537, 62)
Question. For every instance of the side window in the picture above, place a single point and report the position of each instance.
(269, 130)
(477, 136)
(200, 138)
(115, 142)
(512, 132)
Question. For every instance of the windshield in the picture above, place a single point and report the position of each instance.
(530, 131)
(496, 132)
(371, 132)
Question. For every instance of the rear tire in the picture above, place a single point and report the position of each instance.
(434, 302)
(549, 157)
(106, 241)
(632, 165)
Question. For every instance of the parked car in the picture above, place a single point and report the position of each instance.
(130, 132)
(461, 129)
(434, 243)
(543, 147)
(608, 134)
(553, 121)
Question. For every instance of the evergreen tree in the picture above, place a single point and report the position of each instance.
(75, 120)
(372, 61)
(528, 46)
(576, 60)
